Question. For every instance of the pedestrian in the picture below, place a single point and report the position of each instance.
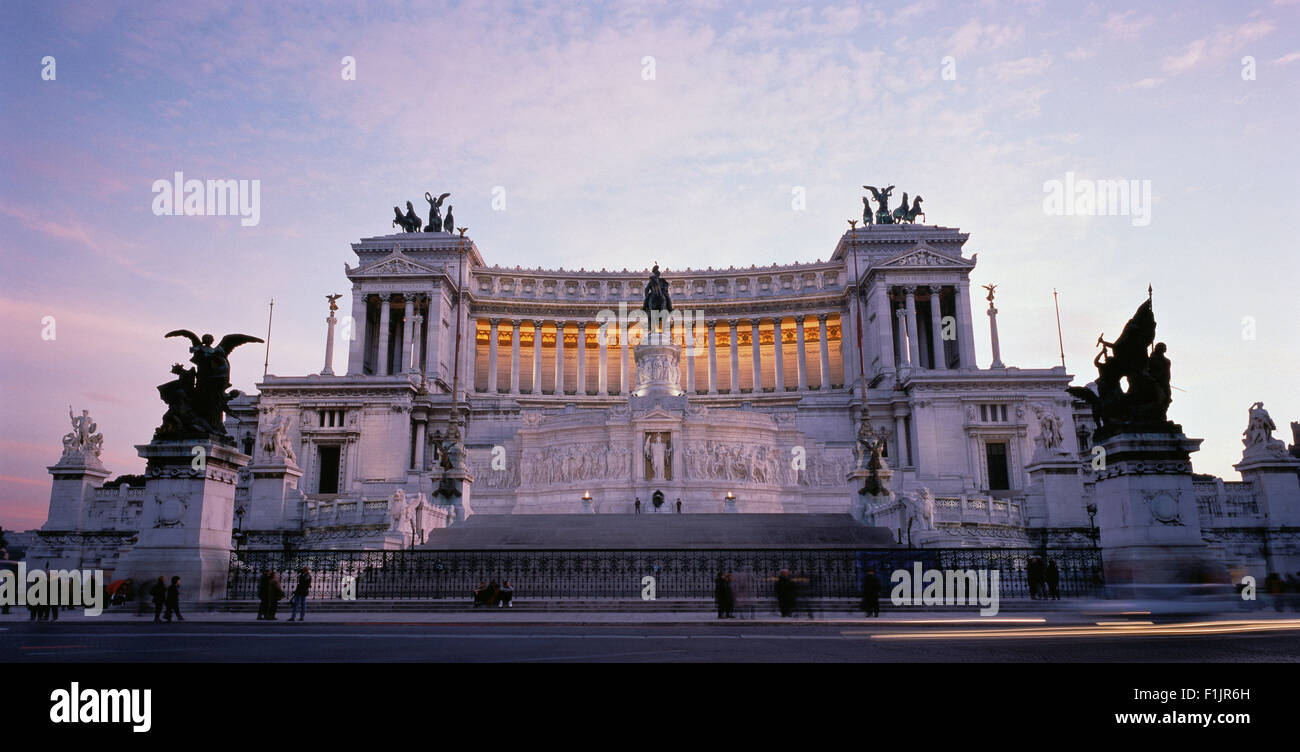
(480, 593)
(159, 594)
(638, 505)
(298, 605)
(871, 593)
(1273, 586)
(785, 593)
(274, 592)
(493, 589)
(262, 588)
(506, 596)
(1035, 572)
(1053, 580)
(722, 594)
(174, 600)
(1293, 588)
(679, 506)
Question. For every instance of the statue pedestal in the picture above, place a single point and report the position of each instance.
(76, 477)
(658, 370)
(1055, 493)
(185, 526)
(1276, 478)
(863, 504)
(274, 501)
(461, 481)
(1146, 513)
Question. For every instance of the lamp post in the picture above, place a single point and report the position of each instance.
(1093, 532)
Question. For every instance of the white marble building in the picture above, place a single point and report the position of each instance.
(758, 400)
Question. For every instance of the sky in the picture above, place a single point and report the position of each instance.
(612, 135)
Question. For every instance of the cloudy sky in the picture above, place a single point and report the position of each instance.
(625, 133)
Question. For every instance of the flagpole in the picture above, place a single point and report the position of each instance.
(267, 363)
(1059, 341)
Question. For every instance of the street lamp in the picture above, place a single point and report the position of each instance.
(1093, 532)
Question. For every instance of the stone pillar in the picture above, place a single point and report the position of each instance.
(825, 351)
(688, 342)
(901, 443)
(778, 354)
(357, 334)
(328, 370)
(416, 321)
(913, 338)
(408, 311)
(625, 369)
(936, 329)
(1275, 476)
(185, 525)
(735, 356)
(993, 337)
(75, 479)
(559, 357)
(757, 352)
(433, 340)
(965, 332)
(469, 353)
(581, 390)
(537, 356)
(900, 336)
(801, 356)
(514, 356)
(420, 428)
(384, 312)
(602, 368)
(884, 337)
(848, 346)
(493, 332)
(713, 357)
(1147, 516)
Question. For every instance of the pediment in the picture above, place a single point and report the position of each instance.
(395, 264)
(925, 257)
(657, 413)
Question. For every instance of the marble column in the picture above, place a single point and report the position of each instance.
(965, 330)
(602, 368)
(801, 356)
(625, 368)
(913, 338)
(537, 357)
(901, 443)
(408, 314)
(713, 357)
(757, 352)
(493, 331)
(381, 367)
(900, 336)
(936, 329)
(514, 356)
(735, 355)
(778, 347)
(328, 370)
(825, 351)
(688, 343)
(433, 342)
(416, 321)
(848, 345)
(993, 337)
(419, 445)
(357, 334)
(884, 329)
(559, 357)
(581, 389)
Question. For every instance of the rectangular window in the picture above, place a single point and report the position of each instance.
(1004, 412)
(328, 464)
(984, 413)
(999, 477)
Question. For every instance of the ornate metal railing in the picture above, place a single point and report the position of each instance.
(598, 575)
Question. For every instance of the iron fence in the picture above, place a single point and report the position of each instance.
(599, 575)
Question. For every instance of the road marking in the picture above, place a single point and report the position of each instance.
(445, 635)
(53, 647)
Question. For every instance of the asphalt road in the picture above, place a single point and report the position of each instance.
(283, 642)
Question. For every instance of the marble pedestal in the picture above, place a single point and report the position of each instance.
(185, 526)
(1055, 493)
(1146, 513)
(274, 501)
(457, 504)
(75, 479)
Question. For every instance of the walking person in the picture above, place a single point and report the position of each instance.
(159, 595)
(871, 593)
(274, 592)
(174, 600)
(638, 505)
(785, 593)
(261, 594)
(1053, 580)
(298, 604)
(722, 594)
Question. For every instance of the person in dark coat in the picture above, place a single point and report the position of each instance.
(871, 593)
(493, 590)
(1035, 576)
(273, 595)
(506, 596)
(261, 594)
(159, 595)
(722, 594)
(480, 593)
(298, 604)
(1053, 580)
(785, 593)
(174, 601)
